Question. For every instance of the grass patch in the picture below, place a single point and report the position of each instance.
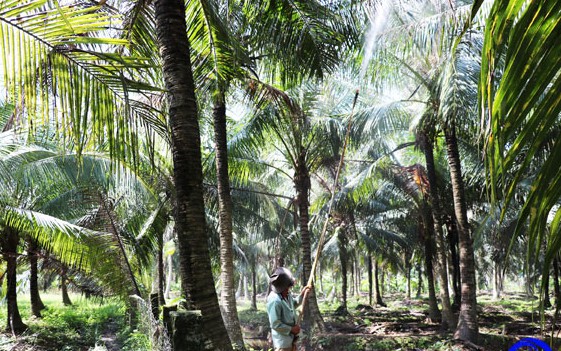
(65, 328)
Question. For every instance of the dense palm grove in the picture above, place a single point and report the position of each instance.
(143, 140)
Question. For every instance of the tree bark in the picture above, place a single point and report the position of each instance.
(379, 300)
(455, 263)
(357, 277)
(14, 324)
(246, 288)
(254, 285)
(407, 259)
(427, 228)
(546, 300)
(420, 279)
(498, 279)
(64, 287)
(161, 275)
(370, 282)
(468, 328)
(36, 302)
(169, 276)
(197, 282)
(228, 293)
(447, 316)
(343, 259)
(302, 183)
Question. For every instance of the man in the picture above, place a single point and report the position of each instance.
(281, 308)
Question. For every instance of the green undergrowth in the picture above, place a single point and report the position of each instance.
(80, 326)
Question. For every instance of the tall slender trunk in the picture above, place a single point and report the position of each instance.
(447, 316)
(528, 280)
(161, 276)
(497, 280)
(302, 183)
(382, 281)
(197, 282)
(320, 278)
(455, 263)
(14, 324)
(343, 259)
(228, 292)
(64, 287)
(239, 290)
(370, 279)
(169, 276)
(379, 300)
(36, 302)
(254, 285)
(420, 279)
(407, 259)
(468, 328)
(546, 300)
(350, 286)
(434, 312)
(245, 288)
(357, 277)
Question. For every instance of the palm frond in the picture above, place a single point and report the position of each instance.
(310, 34)
(60, 63)
(65, 240)
(218, 55)
(520, 96)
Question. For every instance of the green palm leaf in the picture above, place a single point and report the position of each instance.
(520, 96)
(60, 63)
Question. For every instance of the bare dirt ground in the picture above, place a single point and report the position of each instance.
(404, 325)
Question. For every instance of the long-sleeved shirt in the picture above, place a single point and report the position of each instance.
(282, 317)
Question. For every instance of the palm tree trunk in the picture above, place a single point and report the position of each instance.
(357, 277)
(254, 285)
(455, 264)
(546, 300)
(342, 242)
(36, 303)
(447, 316)
(467, 328)
(407, 259)
(320, 278)
(64, 287)
(370, 279)
(161, 277)
(14, 324)
(498, 279)
(379, 300)
(434, 312)
(302, 183)
(169, 277)
(228, 293)
(197, 282)
(420, 279)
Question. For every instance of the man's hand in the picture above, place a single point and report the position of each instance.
(306, 288)
(295, 330)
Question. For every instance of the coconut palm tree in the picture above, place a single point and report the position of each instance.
(92, 83)
(197, 282)
(284, 21)
(52, 201)
(421, 55)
